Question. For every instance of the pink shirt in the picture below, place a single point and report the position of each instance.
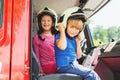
(44, 49)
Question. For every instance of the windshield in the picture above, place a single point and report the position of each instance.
(105, 25)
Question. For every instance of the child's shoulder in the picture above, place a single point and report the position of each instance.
(35, 36)
(58, 34)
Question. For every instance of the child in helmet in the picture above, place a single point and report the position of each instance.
(43, 41)
(67, 46)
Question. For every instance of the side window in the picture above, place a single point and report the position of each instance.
(1, 12)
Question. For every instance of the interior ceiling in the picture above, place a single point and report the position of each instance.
(58, 5)
(91, 7)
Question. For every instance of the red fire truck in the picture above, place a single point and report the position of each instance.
(18, 25)
(15, 39)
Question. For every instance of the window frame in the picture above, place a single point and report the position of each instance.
(1, 12)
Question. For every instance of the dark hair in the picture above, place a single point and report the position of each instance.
(40, 31)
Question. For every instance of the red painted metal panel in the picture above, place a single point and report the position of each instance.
(104, 71)
(20, 40)
(5, 41)
(15, 41)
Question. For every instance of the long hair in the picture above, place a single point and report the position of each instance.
(40, 31)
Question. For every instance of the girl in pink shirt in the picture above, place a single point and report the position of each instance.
(43, 41)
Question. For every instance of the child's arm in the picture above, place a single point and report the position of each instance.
(78, 50)
(36, 51)
(61, 42)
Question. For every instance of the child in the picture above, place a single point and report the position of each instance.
(43, 41)
(67, 47)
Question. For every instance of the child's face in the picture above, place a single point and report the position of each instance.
(74, 27)
(46, 22)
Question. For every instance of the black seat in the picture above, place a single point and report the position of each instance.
(63, 76)
(36, 69)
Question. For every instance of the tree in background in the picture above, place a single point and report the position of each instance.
(103, 35)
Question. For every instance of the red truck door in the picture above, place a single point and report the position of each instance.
(15, 40)
(5, 38)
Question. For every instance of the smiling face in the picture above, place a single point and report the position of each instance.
(74, 27)
(47, 22)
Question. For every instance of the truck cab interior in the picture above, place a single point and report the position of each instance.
(102, 60)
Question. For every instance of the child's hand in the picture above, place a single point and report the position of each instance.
(61, 28)
(41, 73)
(78, 39)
